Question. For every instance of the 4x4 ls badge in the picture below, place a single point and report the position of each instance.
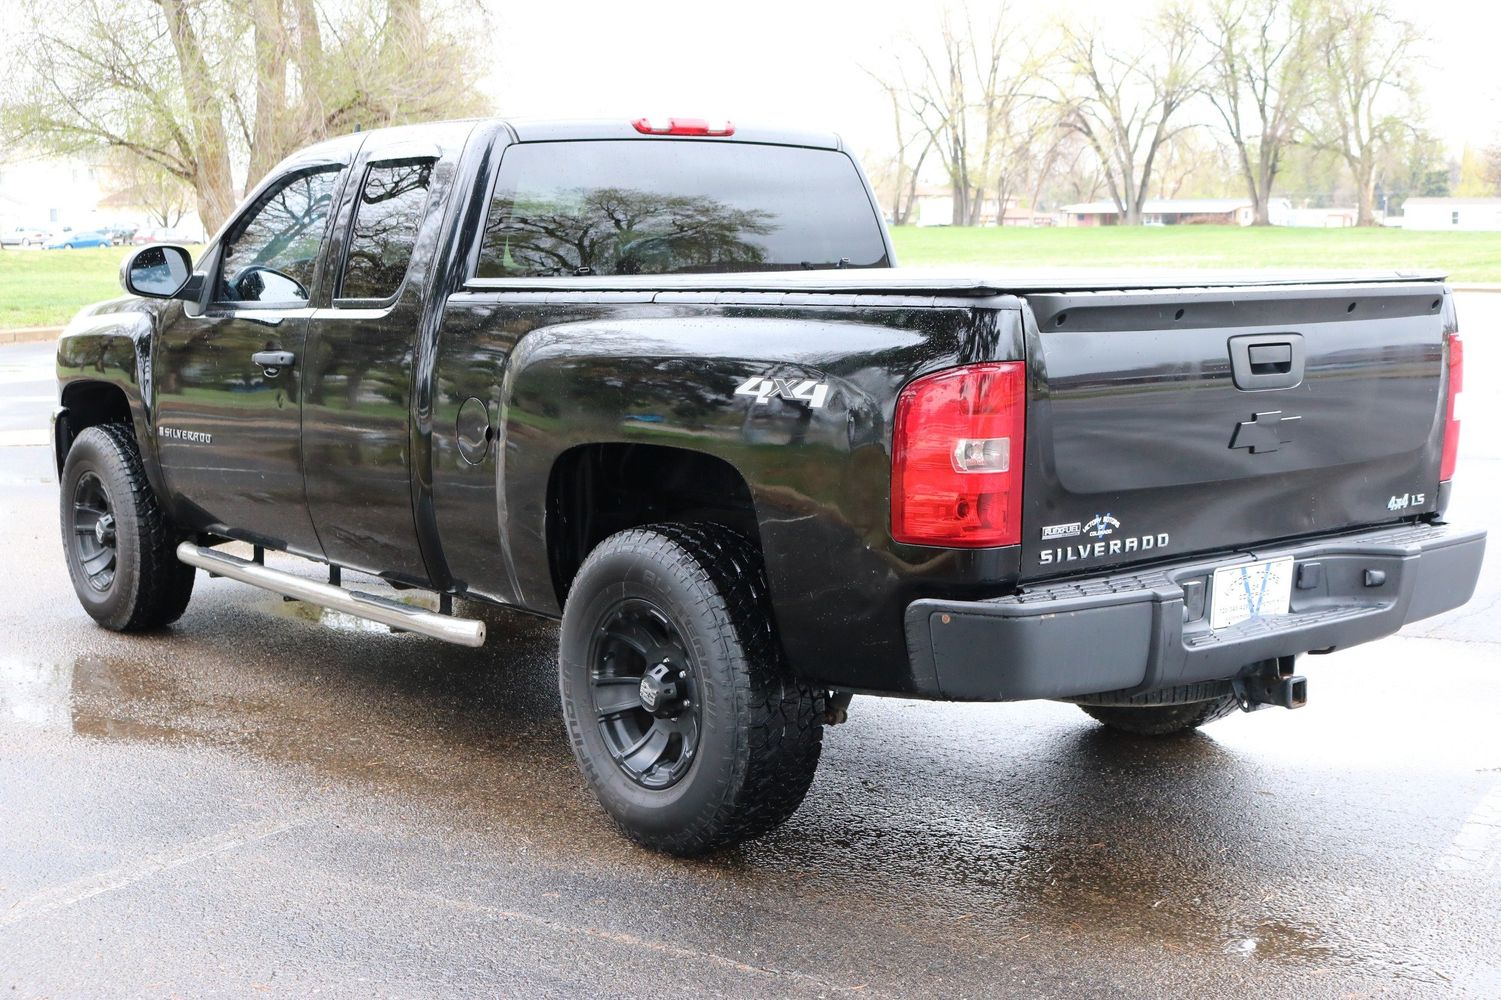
(1264, 432)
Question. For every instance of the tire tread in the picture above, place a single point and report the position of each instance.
(784, 734)
(162, 585)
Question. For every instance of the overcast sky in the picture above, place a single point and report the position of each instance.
(797, 62)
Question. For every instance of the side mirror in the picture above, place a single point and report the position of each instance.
(157, 272)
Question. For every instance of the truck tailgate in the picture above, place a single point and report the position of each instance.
(1168, 422)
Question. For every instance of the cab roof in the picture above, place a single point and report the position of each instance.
(565, 129)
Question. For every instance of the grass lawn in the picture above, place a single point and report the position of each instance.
(1470, 257)
(45, 287)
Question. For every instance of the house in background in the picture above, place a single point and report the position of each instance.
(1322, 218)
(935, 207)
(49, 192)
(1178, 212)
(1473, 214)
(55, 193)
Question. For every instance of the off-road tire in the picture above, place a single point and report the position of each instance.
(1162, 720)
(150, 587)
(760, 729)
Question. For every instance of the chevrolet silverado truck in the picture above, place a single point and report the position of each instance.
(662, 381)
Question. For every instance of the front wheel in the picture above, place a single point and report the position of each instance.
(119, 544)
(684, 718)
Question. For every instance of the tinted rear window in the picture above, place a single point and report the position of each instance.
(676, 207)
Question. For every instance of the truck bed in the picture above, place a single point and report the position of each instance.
(975, 282)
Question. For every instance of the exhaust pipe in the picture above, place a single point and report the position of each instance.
(1271, 682)
(398, 616)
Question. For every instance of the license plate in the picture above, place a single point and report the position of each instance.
(1253, 590)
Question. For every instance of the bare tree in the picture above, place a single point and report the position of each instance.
(193, 87)
(1260, 79)
(909, 135)
(1363, 52)
(1191, 161)
(161, 194)
(972, 93)
(1126, 99)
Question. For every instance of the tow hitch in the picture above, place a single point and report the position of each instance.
(1271, 682)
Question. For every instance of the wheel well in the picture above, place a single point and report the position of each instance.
(88, 404)
(597, 490)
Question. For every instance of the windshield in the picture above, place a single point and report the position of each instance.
(676, 207)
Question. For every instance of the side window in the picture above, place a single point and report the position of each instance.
(272, 252)
(392, 203)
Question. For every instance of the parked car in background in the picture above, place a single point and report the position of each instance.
(75, 241)
(119, 234)
(24, 236)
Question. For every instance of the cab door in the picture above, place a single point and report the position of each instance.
(228, 368)
(365, 354)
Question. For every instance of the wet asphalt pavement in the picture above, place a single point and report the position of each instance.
(266, 801)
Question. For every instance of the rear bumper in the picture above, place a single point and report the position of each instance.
(1150, 629)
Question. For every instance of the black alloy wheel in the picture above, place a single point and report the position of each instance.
(645, 691)
(94, 542)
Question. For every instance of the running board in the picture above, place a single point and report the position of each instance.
(402, 617)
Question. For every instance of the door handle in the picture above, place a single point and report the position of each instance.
(272, 362)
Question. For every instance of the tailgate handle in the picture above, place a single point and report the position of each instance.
(1271, 359)
(1267, 361)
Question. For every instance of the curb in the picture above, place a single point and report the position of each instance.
(1475, 288)
(30, 335)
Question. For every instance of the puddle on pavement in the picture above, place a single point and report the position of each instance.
(1284, 943)
(77, 697)
(467, 730)
(339, 621)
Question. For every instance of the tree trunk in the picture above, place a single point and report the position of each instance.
(912, 187)
(1365, 191)
(211, 176)
(270, 89)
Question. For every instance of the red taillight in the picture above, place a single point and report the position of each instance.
(1451, 419)
(682, 126)
(956, 457)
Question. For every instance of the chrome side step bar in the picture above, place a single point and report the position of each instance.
(403, 617)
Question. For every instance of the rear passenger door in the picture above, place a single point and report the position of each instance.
(363, 347)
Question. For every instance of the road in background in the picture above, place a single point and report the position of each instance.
(266, 800)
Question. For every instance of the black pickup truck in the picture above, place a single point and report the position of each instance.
(661, 380)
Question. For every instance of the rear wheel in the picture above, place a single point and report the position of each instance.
(119, 544)
(684, 718)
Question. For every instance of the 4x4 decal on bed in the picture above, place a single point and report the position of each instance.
(794, 390)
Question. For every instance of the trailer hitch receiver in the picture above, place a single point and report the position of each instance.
(1271, 682)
